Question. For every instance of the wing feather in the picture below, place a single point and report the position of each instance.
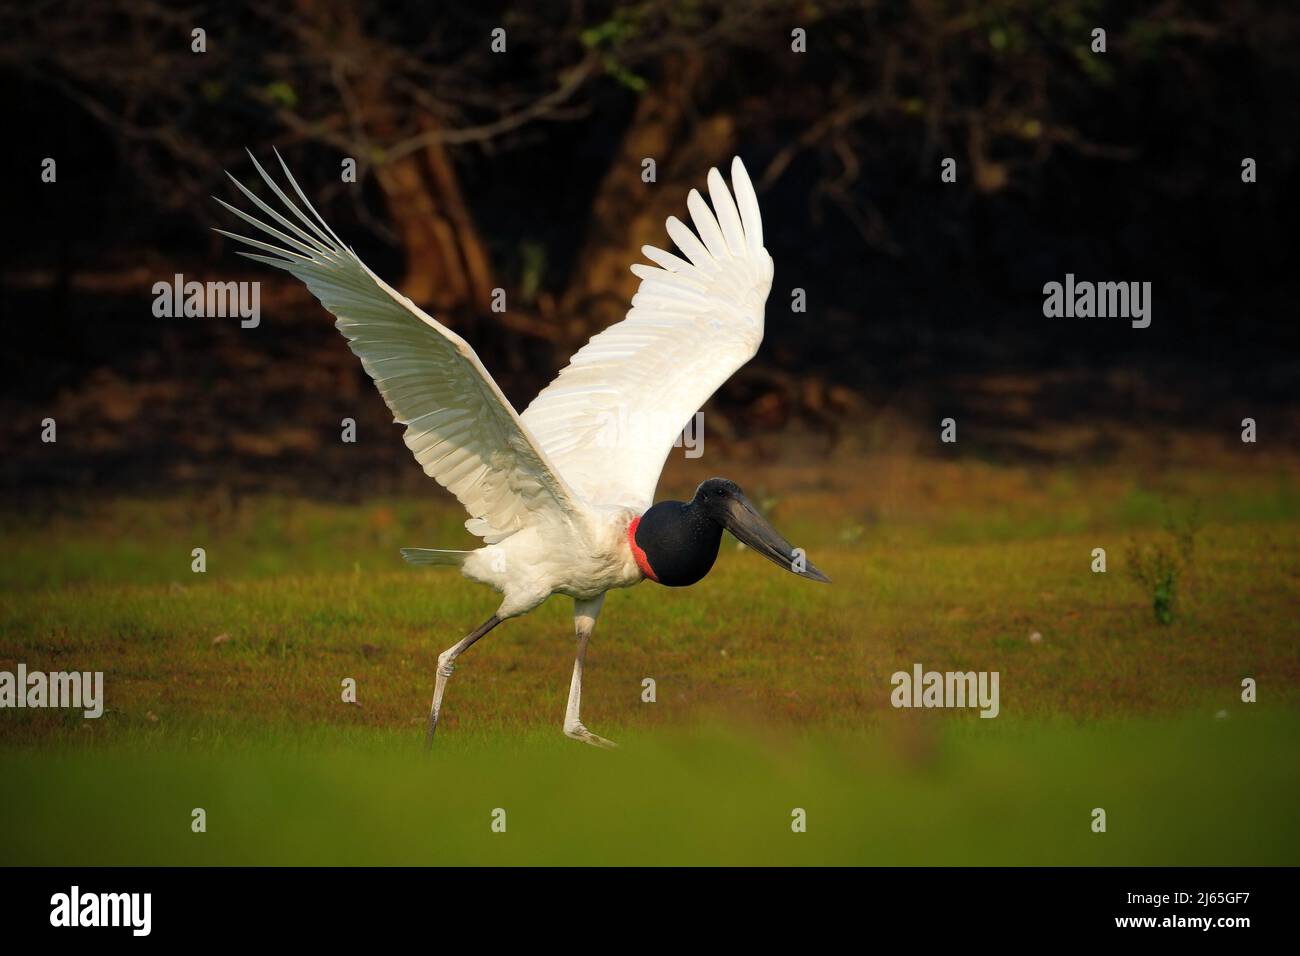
(459, 426)
(610, 418)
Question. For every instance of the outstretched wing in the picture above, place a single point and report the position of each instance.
(610, 418)
(459, 425)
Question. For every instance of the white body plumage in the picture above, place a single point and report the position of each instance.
(527, 568)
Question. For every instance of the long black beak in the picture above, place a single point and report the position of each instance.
(754, 531)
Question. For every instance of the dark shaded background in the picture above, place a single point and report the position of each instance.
(924, 298)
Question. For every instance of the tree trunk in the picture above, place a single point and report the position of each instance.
(447, 265)
(628, 213)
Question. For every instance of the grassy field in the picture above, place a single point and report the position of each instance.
(224, 688)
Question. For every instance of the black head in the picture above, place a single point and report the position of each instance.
(680, 541)
(715, 495)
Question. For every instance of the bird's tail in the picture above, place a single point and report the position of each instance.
(435, 557)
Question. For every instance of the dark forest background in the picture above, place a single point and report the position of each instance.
(522, 170)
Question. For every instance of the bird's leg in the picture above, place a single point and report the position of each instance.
(584, 620)
(447, 664)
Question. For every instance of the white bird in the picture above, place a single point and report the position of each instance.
(562, 495)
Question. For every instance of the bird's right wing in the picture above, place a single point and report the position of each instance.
(460, 427)
(611, 417)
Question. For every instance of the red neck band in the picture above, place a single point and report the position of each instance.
(642, 561)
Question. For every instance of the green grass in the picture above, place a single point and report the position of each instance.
(1178, 792)
(772, 693)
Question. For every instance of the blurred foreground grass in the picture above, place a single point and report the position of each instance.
(1175, 792)
(223, 688)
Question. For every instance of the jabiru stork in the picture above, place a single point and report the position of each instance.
(563, 494)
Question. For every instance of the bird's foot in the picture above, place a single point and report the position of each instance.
(579, 732)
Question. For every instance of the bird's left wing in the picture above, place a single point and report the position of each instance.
(610, 418)
(460, 427)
